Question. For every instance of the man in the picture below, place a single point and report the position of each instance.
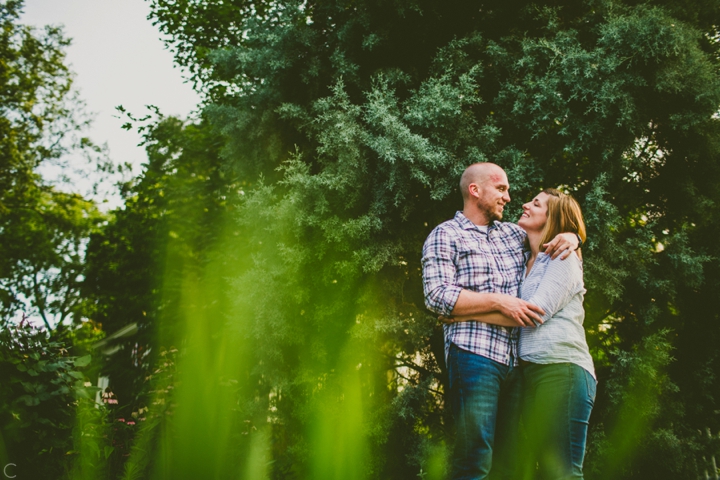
(472, 265)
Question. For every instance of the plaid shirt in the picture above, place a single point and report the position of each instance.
(460, 255)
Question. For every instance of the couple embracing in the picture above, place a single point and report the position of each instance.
(521, 378)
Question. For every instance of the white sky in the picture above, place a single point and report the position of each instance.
(119, 59)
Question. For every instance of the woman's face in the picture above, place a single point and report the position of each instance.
(534, 213)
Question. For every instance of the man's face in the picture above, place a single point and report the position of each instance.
(493, 194)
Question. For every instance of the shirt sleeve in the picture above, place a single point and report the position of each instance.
(439, 273)
(560, 282)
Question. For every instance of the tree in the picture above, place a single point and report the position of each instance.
(42, 228)
(352, 122)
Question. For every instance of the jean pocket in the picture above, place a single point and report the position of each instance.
(591, 385)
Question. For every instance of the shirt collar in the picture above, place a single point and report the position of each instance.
(468, 225)
(527, 253)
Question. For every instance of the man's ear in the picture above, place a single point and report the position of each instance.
(474, 190)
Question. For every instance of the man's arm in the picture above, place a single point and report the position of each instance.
(444, 297)
(438, 269)
(563, 244)
(494, 318)
(518, 311)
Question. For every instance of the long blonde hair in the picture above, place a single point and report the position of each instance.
(563, 216)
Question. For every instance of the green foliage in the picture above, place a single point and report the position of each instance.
(41, 386)
(91, 449)
(636, 404)
(151, 419)
(137, 263)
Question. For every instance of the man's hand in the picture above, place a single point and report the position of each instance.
(521, 312)
(563, 243)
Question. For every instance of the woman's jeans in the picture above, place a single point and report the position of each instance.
(557, 401)
(485, 401)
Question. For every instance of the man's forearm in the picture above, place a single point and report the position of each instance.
(493, 318)
(471, 303)
(518, 310)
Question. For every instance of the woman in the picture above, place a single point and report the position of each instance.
(558, 376)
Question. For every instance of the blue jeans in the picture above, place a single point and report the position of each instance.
(485, 399)
(557, 401)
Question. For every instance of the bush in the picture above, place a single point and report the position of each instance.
(40, 388)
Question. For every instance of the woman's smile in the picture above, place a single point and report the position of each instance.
(534, 213)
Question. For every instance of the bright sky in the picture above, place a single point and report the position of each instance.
(119, 59)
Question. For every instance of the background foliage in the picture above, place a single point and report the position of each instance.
(275, 242)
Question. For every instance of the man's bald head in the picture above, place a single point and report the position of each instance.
(485, 192)
(479, 174)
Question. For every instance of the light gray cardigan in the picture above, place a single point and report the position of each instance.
(557, 287)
